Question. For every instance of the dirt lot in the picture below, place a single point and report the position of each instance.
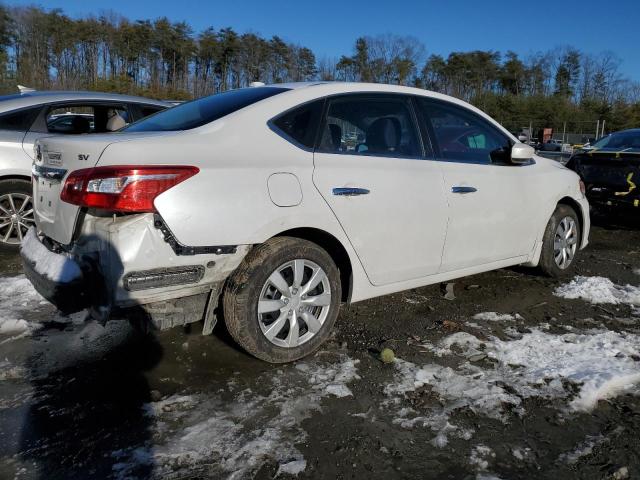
(511, 379)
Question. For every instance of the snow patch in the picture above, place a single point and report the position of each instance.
(600, 365)
(585, 448)
(56, 267)
(599, 290)
(223, 437)
(17, 297)
(496, 317)
(462, 342)
(9, 371)
(480, 457)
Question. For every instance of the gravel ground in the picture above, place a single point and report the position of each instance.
(519, 376)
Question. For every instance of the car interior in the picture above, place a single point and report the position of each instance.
(369, 127)
(79, 119)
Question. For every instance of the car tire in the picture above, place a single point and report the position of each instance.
(254, 307)
(16, 191)
(561, 242)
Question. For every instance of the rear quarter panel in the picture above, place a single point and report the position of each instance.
(13, 160)
(228, 201)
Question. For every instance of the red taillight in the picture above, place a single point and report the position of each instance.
(124, 188)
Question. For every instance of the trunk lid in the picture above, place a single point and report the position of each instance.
(55, 158)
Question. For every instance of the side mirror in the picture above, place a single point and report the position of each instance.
(522, 154)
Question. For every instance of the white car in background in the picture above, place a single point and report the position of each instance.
(272, 205)
(32, 114)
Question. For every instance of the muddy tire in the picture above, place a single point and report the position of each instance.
(13, 195)
(561, 242)
(283, 300)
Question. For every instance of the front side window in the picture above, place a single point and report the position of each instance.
(204, 110)
(300, 124)
(20, 120)
(370, 125)
(462, 135)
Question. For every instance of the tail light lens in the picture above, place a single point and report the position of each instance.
(124, 188)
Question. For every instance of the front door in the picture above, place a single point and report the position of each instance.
(371, 170)
(490, 199)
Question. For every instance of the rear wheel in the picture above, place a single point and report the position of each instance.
(283, 300)
(561, 242)
(16, 213)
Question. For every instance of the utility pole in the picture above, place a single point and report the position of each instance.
(564, 131)
(602, 128)
(597, 129)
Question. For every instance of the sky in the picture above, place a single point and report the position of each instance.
(330, 27)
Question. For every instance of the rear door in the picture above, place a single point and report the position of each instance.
(491, 201)
(371, 168)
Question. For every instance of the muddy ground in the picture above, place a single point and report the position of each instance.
(81, 401)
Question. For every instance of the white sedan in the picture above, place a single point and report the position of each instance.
(269, 206)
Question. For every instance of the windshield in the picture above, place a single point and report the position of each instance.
(628, 141)
(202, 111)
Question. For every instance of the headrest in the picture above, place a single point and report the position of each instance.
(115, 122)
(383, 135)
(336, 135)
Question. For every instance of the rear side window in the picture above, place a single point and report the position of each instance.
(19, 120)
(204, 110)
(301, 124)
(463, 136)
(75, 118)
(371, 125)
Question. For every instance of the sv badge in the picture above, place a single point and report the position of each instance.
(83, 157)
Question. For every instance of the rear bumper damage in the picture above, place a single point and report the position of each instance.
(126, 262)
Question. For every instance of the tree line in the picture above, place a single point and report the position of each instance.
(47, 49)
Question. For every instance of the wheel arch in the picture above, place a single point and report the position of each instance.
(333, 247)
(570, 202)
(15, 177)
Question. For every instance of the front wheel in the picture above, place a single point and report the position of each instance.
(16, 213)
(561, 242)
(282, 301)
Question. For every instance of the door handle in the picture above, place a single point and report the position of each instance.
(463, 189)
(350, 192)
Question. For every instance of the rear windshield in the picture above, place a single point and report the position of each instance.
(622, 141)
(204, 110)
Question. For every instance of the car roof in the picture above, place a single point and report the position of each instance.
(325, 88)
(28, 99)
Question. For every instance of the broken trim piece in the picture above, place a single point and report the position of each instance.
(181, 249)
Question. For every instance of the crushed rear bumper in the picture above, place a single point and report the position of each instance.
(119, 263)
(59, 278)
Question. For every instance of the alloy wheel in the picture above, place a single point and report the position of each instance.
(565, 242)
(294, 303)
(16, 217)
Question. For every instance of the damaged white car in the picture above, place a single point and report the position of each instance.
(269, 206)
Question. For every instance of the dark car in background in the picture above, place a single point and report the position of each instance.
(610, 170)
